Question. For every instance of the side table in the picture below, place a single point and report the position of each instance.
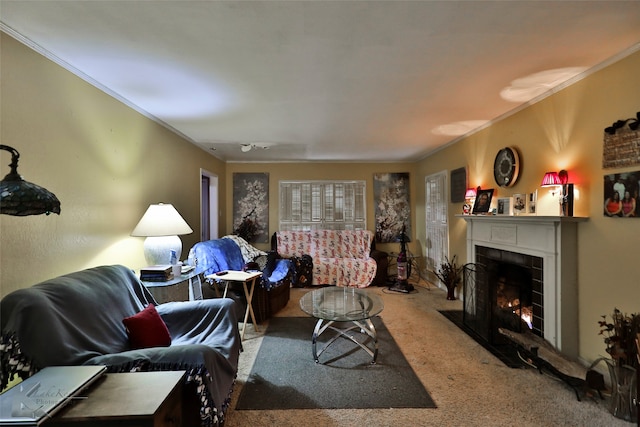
(186, 287)
(141, 399)
(248, 280)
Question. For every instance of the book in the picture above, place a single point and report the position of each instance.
(156, 273)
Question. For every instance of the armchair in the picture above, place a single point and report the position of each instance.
(234, 253)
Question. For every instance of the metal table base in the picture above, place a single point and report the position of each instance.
(364, 326)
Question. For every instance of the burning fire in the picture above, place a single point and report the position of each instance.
(525, 313)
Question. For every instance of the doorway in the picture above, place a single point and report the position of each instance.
(208, 206)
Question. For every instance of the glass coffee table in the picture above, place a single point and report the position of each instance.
(335, 304)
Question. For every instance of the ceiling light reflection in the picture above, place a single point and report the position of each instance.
(167, 91)
(458, 128)
(526, 88)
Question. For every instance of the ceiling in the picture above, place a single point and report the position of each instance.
(325, 80)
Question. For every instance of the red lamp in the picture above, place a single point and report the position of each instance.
(550, 179)
(561, 179)
(470, 194)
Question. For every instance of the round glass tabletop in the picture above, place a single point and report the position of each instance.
(341, 304)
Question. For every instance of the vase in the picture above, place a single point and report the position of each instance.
(623, 392)
(451, 293)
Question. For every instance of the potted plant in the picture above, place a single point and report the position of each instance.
(450, 274)
(620, 340)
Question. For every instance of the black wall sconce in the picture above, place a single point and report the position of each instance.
(22, 198)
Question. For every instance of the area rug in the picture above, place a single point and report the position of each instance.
(285, 376)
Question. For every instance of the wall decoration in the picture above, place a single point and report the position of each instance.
(483, 201)
(392, 207)
(251, 206)
(621, 145)
(458, 185)
(519, 204)
(506, 167)
(504, 206)
(621, 192)
(532, 200)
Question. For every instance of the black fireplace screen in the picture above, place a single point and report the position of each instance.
(503, 290)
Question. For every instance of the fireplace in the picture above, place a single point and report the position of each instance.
(531, 259)
(503, 289)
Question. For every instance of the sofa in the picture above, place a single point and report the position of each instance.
(79, 319)
(234, 253)
(339, 257)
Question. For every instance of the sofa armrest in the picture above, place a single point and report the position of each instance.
(186, 317)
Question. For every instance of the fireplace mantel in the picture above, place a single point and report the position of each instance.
(555, 240)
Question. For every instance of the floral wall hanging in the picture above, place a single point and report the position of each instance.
(251, 206)
(392, 207)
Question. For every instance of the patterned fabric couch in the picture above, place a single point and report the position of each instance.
(340, 257)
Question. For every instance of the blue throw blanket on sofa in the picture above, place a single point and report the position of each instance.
(76, 319)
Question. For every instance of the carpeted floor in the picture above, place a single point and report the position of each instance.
(469, 385)
(285, 376)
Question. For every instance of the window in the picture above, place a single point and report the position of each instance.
(437, 227)
(331, 205)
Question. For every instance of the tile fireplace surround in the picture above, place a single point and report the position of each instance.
(555, 240)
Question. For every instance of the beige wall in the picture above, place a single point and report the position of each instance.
(104, 161)
(107, 163)
(321, 171)
(565, 131)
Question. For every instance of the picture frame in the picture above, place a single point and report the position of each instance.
(532, 201)
(458, 184)
(483, 201)
(251, 206)
(625, 186)
(520, 204)
(504, 206)
(392, 205)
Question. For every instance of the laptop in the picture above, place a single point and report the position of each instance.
(39, 397)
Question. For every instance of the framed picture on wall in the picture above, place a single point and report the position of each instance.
(621, 195)
(483, 201)
(392, 205)
(251, 206)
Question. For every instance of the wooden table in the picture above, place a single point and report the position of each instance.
(140, 399)
(248, 280)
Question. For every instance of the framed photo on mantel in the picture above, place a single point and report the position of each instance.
(519, 204)
(483, 201)
(532, 200)
(504, 206)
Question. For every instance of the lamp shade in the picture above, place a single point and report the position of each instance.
(550, 179)
(161, 224)
(161, 220)
(21, 198)
(470, 194)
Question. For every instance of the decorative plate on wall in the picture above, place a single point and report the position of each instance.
(506, 167)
